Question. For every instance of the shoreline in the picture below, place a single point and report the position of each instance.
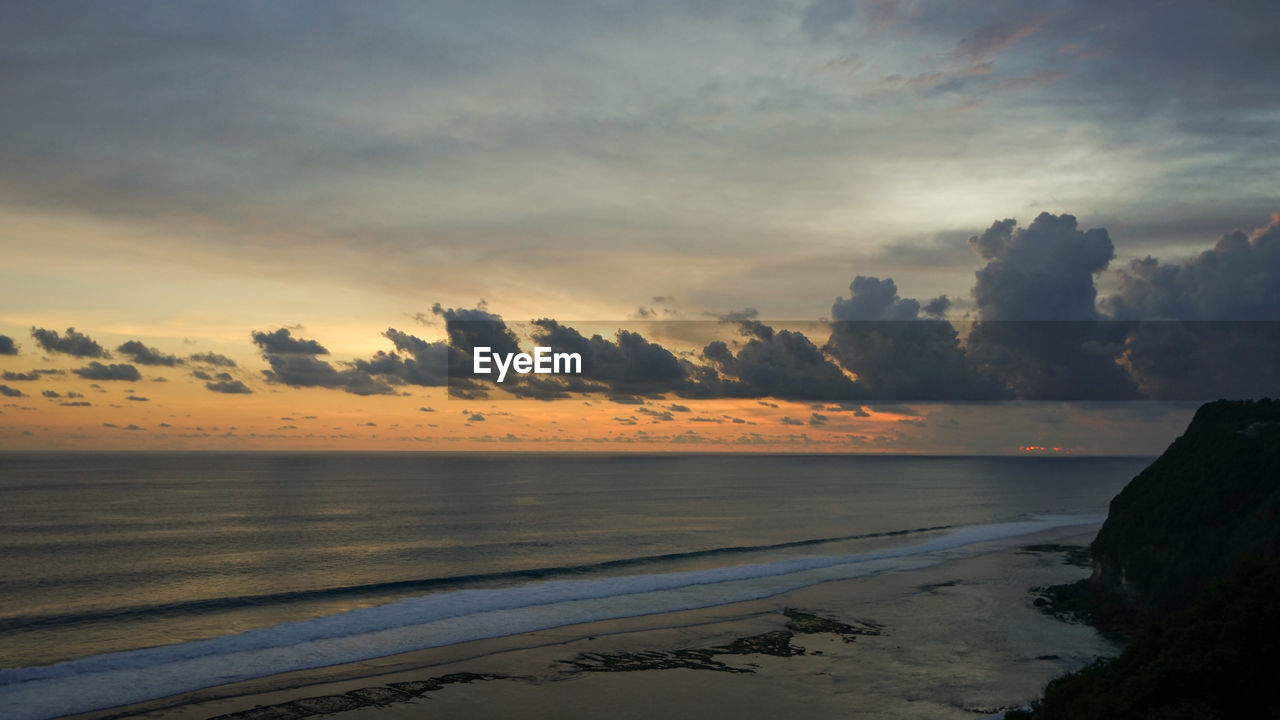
(663, 658)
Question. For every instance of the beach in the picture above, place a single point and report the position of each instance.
(956, 639)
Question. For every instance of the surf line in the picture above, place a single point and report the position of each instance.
(543, 361)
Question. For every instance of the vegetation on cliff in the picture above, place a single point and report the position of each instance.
(1216, 660)
(1206, 510)
(1210, 500)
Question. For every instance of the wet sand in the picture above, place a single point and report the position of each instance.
(958, 640)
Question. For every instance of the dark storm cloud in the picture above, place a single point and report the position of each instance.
(1209, 322)
(293, 362)
(627, 365)
(470, 328)
(427, 363)
(8, 346)
(937, 307)
(1042, 272)
(535, 388)
(97, 371)
(7, 391)
(144, 355)
(282, 342)
(1239, 279)
(229, 387)
(303, 370)
(782, 364)
(212, 358)
(895, 354)
(20, 377)
(1039, 329)
(874, 299)
(72, 343)
(1175, 360)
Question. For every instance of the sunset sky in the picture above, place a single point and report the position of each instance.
(175, 177)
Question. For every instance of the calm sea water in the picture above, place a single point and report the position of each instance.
(105, 553)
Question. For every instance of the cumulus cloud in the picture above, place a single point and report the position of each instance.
(783, 364)
(229, 387)
(874, 299)
(293, 363)
(72, 343)
(212, 358)
(8, 346)
(627, 365)
(300, 370)
(1041, 272)
(471, 328)
(896, 354)
(20, 377)
(7, 391)
(1238, 279)
(282, 342)
(97, 371)
(1038, 328)
(144, 355)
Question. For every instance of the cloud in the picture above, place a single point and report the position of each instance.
(937, 307)
(783, 364)
(33, 375)
(1239, 279)
(293, 363)
(300, 370)
(895, 354)
(627, 365)
(1041, 272)
(76, 403)
(7, 391)
(212, 358)
(8, 346)
(72, 343)
(136, 398)
(472, 328)
(229, 387)
(50, 393)
(144, 355)
(874, 299)
(282, 342)
(657, 415)
(1039, 331)
(97, 371)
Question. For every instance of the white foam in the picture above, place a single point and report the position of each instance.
(445, 618)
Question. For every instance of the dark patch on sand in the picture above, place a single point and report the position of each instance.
(809, 624)
(375, 696)
(776, 643)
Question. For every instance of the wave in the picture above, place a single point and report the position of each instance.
(453, 616)
(237, 602)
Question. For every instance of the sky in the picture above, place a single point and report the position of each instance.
(181, 182)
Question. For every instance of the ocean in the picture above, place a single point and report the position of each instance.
(131, 576)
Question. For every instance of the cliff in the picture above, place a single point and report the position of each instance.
(1212, 499)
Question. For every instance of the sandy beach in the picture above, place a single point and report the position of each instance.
(960, 639)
